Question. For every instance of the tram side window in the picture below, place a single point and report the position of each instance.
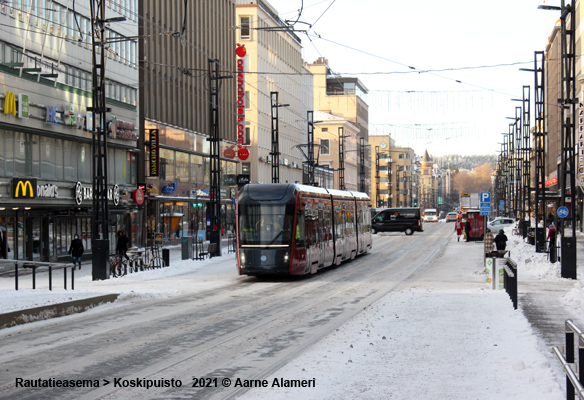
(339, 224)
(311, 231)
(300, 234)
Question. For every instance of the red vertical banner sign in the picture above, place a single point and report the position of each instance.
(154, 151)
(241, 52)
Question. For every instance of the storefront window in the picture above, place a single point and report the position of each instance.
(59, 158)
(22, 155)
(132, 168)
(3, 152)
(121, 167)
(48, 158)
(84, 163)
(166, 164)
(197, 170)
(182, 167)
(70, 160)
(207, 164)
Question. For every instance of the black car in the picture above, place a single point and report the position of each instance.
(408, 220)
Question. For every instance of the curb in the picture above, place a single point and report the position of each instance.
(20, 317)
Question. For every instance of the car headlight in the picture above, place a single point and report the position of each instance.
(286, 257)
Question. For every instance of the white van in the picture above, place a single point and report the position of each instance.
(430, 215)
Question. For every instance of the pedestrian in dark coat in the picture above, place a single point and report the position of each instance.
(467, 229)
(501, 240)
(76, 250)
(122, 246)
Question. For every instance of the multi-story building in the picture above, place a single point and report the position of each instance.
(428, 183)
(188, 87)
(344, 97)
(404, 176)
(394, 179)
(382, 193)
(338, 149)
(46, 131)
(278, 94)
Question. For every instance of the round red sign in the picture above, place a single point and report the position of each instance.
(229, 152)
(138, 196)
(243, 153)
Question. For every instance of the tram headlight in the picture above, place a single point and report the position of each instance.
(241, 257)
(286, 257)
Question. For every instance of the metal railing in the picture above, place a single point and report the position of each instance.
(573, 382)
(34, 265)
(510, 280)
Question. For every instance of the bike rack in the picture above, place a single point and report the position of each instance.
(34, 265)
(573, 381)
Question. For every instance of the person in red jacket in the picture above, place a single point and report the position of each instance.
(458, 228)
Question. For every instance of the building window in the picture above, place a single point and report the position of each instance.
(324, 129)
(245, 168)
(247, 138)
(244, 23)
(325, 147)
(246, 100)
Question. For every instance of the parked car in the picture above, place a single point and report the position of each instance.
(408, 220)
(451, 216)
(500, 223)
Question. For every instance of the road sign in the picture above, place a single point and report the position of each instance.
(563, 212)
(485, 211)
(485, 197)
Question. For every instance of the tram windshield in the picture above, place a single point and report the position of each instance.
(265, 225)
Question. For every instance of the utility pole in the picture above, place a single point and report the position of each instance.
(99, 225)
(526, 163)
(275, 153)
(568, 103)
(540, 138)
(310, 118)
(362, 165)
(341, 159)
(214, 156)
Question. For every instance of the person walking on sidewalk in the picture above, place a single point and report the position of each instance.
(467, 229)
(501, 240)
(458, 228)
(76, 250)
(122, 246)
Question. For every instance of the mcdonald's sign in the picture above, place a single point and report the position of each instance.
(24, 188)
(9, 103)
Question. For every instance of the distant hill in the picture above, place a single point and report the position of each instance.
(464, 162)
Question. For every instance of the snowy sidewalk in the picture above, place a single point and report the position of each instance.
(443, 334)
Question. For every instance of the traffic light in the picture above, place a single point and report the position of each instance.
(197, 204)
(415, 203)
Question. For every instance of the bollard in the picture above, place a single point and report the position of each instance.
(166, 257)
(50, 278)
(65, 278)
(16, 276)
(34, 277)
(73, 278)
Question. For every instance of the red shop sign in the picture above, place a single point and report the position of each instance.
(138, 196)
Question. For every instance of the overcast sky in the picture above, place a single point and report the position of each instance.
(378, 40)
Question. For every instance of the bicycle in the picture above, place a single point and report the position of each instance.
(153, 259)
(118, 266)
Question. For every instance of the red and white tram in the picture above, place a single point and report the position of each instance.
(290, 229)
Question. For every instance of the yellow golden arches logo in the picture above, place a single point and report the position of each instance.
(24, 189)
(10, 103)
